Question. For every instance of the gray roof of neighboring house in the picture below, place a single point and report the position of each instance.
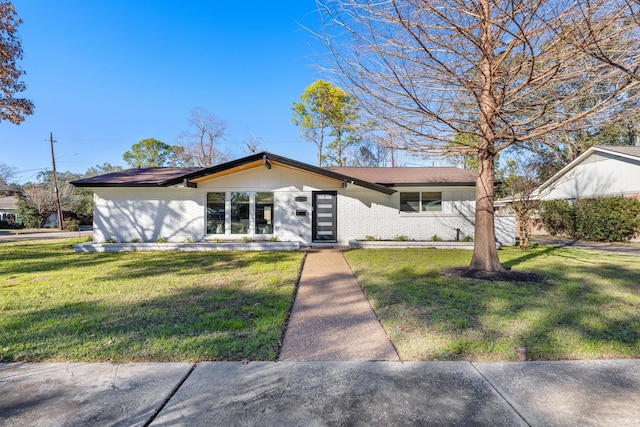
(8, 203)
(378, 179)
(629, 150)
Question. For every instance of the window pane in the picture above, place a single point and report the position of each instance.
(431, 202)
(240, 213)
(215, 213)
(410, 202)
(264, 213)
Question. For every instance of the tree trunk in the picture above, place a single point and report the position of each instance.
(485, 253)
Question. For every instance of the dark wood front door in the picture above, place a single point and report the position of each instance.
(324, 216)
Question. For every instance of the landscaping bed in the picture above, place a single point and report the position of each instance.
(189, 247)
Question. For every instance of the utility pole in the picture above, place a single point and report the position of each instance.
(55, 184)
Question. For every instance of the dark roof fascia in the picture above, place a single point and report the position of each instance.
(284, 160)
(435, 184)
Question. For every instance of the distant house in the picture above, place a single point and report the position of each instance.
(266, 196)
(8, 209)
(599, 172)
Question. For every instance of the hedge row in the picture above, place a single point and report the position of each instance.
(611, 219)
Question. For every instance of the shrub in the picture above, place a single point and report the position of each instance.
(436, 238)
(467, 238)
(161, 240)
(136, 240)
(71, 224)
(273, 239)
(400, 238)
(370, 238)
(188, 240)
(608, 219)
(246, 239)
(111, 240)
(558, 217)
(611, 219)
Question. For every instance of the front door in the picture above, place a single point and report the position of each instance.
(324, 216)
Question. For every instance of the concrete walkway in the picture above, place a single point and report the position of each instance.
(331, 318)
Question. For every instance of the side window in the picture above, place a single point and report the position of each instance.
(425, 201)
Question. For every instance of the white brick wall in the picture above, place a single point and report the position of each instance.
(177, 214)
(364, 213)
(148, 214)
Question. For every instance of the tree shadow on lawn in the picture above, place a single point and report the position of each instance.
(594, 314)
(191, 324)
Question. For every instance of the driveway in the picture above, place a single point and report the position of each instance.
(10, 235)
(620, 248)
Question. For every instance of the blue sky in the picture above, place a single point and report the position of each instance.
(104, 75)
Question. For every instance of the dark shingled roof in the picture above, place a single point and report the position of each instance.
(378, 179)
(138, 177)
(410, 176)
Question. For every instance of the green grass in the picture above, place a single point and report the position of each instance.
(56, 305)
(588, 308)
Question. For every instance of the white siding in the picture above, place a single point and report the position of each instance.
(598, 175)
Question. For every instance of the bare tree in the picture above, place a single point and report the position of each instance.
(493, 69)
(201, 143)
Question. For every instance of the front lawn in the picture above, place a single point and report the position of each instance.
(587, 308)
(57, 305)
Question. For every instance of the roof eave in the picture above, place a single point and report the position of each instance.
(279, 159)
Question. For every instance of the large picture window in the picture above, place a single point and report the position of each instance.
(264, 213)
(215, 213)
(425, 201)
(240, 212)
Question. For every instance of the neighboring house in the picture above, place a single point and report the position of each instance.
(266, 196)
(599, 172)
(8, 209)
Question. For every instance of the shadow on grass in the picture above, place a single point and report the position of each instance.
(583, 310)
(190, 324)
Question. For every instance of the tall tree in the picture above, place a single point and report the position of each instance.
(7, 174)
(150, 153)
(326, 110)
(200, 144)
(12, 109)
(490, 68)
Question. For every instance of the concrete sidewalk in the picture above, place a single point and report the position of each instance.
(603, 393)
(331, 318)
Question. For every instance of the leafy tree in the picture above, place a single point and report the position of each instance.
(199, 146)
(102, 169)
(12, 109)
(494, 69)
(150, 153)
(326, 110)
